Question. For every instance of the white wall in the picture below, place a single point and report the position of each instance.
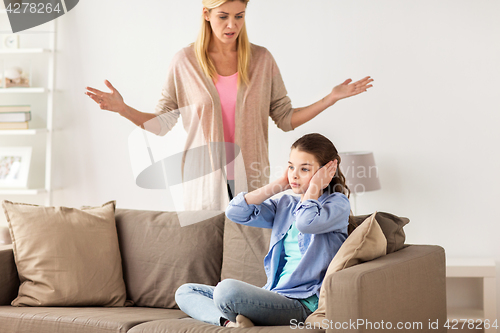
(431, 119)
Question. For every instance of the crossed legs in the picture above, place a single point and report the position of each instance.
(231, 298)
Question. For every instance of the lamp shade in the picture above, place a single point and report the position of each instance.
(360, 171)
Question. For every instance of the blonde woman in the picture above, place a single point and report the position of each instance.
(225, 88)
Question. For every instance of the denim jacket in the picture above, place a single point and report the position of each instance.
(322, 225)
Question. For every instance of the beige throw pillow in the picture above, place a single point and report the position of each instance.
(366, 242)
(66, 256)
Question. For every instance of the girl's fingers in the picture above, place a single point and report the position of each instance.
(332, 172)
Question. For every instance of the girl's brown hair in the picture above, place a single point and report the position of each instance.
(324, 151)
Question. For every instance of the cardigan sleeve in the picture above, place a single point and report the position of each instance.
(281, 110)
(167, 110)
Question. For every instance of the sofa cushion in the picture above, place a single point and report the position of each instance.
(66, 256)
(79, 320)
(391, 225)
(159, 255)
(195, 326)
(366, 242)
(244, 251)
(5, 236)
(9, 280)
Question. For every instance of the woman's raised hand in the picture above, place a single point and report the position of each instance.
(348, 89)
(112, 101)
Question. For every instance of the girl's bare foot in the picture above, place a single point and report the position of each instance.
(242, 321)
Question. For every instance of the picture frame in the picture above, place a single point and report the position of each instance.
(14, 166)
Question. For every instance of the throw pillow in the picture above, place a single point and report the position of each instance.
(66, 256)
(391, 225)
(366, 242)
(159, 255)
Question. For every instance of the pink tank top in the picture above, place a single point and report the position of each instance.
(227, 87)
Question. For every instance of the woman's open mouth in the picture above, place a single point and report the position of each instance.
(230, 34)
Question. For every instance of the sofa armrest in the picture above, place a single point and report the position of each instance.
(9, 280)
(407, 287)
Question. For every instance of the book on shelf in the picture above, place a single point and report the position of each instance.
(15, 108)
(14, 117)
(14, 126)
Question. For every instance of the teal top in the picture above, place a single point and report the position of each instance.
(292, 256)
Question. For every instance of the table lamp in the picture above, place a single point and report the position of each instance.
(361, 173)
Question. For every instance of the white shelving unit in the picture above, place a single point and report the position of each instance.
(23, 51)
(22, 192)
(485, 271)
(23, 132)
(47, 89)
(34, 90)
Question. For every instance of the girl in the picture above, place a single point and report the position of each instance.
(306, 234)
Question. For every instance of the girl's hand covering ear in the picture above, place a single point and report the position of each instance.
(283, 181)
(323, 176)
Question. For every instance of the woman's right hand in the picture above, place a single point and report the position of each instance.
(112, 101)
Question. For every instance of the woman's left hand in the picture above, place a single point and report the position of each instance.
(348, 89)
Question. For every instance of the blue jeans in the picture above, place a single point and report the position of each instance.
(232, 297)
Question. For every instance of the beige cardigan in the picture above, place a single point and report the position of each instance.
(187, 92)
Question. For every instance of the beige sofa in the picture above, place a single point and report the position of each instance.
(405, 288)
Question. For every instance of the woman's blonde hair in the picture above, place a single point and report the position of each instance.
(203, 41)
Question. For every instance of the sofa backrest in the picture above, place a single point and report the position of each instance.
(158, 255)
(244, 251)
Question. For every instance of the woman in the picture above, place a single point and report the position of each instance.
(225, 89)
